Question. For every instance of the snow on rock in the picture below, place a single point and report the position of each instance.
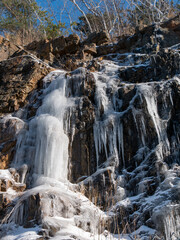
(130, 171)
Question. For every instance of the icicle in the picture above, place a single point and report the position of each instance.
(141, 127)
(96, 144)
(147, 92)
(121, 142)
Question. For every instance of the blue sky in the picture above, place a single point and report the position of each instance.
(67, 12)
(58, 6)
(61, 11)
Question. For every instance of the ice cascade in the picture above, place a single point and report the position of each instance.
(44, 145)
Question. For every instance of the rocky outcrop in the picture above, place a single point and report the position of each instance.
(19, 77)
(152, 37)
(135, 145)
(7, 48)
(68, 52)
(122, 120)
(162, 65)
(47, 49)
(52, 50)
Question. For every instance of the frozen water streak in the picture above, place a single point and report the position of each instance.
(44, 145)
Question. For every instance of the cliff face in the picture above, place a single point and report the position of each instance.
(108, 129)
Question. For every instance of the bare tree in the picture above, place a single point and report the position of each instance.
(119, 17)
(155, 11)
(84, 14)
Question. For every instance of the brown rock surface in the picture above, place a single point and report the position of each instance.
(7, 154)
(7, 48)
(98, 38)
(50, 49)
(19, 76)
(90, 48)
(68, 52)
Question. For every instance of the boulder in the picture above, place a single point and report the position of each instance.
(42, 48)
(70, 65)
(9, 127)
(98, 38)
(72, 39)
(58, 44)
(90, 48)
(65, 45)
(87, 52)
(106, 49)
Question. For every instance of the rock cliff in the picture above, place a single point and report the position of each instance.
(106, 126)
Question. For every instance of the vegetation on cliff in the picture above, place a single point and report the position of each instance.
(25, 21)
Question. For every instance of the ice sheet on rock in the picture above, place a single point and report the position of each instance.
(109, 124)
(17, 123)
(128, 60)
(99, 171)
(127, 201)
(169, 215)
(5, 174)
(108, 136)
(51, 77)
(44, 146)
(20, 233)
(109, 139)
(109, 131)
(143, 232)
(149, 95)
(70, 232)
(62, 211)
(51, 154)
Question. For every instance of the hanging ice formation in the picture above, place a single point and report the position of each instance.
(44, 145)
(110, 115)
(130, 141)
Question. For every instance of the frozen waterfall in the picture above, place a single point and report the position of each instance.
(44, 145)
(109, 140)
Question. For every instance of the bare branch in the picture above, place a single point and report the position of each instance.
(75, 3)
